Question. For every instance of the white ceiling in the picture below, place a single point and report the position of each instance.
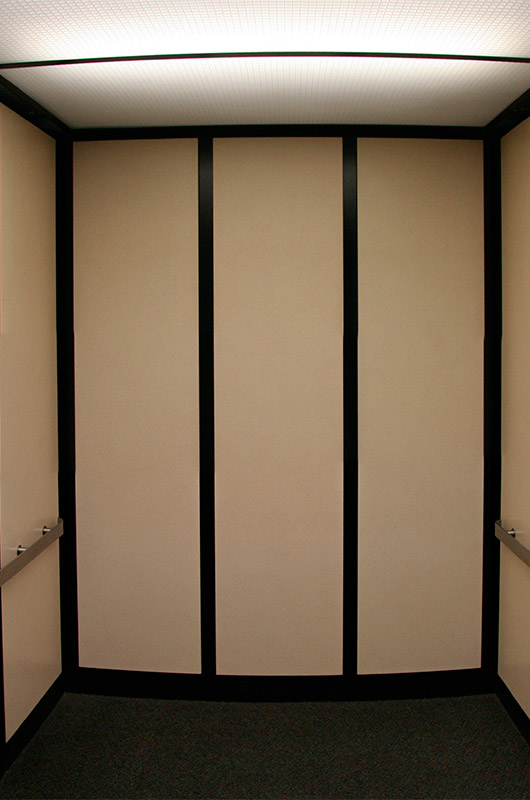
(269, 88)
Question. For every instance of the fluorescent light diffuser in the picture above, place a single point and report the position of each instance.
(50, 29)
(275, 90)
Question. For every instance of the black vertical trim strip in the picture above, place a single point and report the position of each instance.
(3, 751)
(492, 398)
(206, 407)
(66, 405)
(350, 383)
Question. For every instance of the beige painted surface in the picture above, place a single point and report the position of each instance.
(28, 411)
(31, 635)
(420, 404)
(137, 404)
(514, 637)
(278, 384)
(514, 645)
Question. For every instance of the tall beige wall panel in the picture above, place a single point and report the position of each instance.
(137, 404)
(514, 645)
(278, 405)
(420, 404)
(28, 412)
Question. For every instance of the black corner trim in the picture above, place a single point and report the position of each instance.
(512, 115)
(516, 712)
(33, 112)
(206, 406)
(23, 735)
(2, 690)
(66, 402)
(350, 421)
(492, 399)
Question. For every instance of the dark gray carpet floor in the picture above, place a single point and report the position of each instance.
(110, 747)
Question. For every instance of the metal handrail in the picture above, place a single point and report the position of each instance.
(508, 537)
(27, 554)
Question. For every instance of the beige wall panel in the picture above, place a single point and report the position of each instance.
(278, 380)
(137, 404)
(514, 636)
(32, 635)
(28, 410)
(514, 646)
(420, 404)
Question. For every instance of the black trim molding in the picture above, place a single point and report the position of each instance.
(63, 62)
(295, 688)
(350, 384)
(206, 406)
(66, 402)
(516, 712)
(514, 114)
(33, 112)
(492, 400)
(239, 131)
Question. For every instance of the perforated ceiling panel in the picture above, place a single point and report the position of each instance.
(50, 29)
(269, 89)
(276, 90)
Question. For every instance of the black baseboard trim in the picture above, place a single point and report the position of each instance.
(123, 683)
(518, 715)
(416, 685)
(23, 735)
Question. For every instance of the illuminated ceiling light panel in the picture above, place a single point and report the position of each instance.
(271, 89)
(275, 90)
(62, 29)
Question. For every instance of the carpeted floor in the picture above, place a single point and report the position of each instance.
(111, 747)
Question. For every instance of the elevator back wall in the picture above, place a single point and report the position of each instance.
(281, 357)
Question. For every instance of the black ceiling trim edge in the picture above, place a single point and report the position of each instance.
(262, 54)
(22, 104)
(234, 131)
(512, 115)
